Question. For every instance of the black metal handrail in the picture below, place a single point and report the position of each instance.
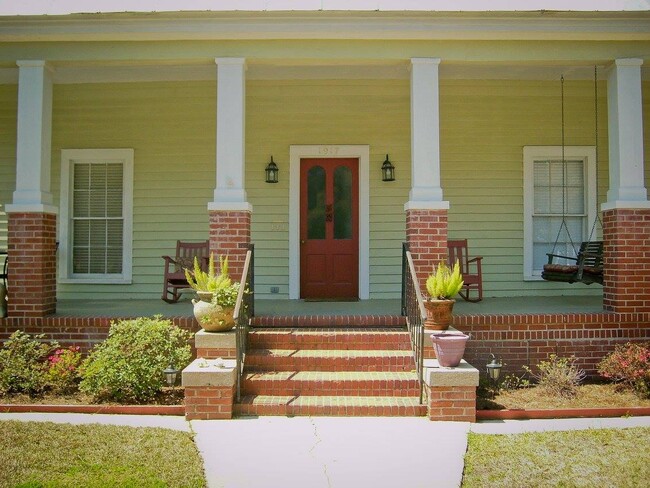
(413, 309)
(244, 310)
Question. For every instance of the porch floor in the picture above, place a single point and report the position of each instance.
(489, 306)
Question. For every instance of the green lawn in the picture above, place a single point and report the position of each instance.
(45, 454)
(588, 458)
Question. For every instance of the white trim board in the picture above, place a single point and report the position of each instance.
(298, 152)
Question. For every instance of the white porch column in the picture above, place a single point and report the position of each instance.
(426, 191)
(229, 192)
(34, 137)
(624, 104)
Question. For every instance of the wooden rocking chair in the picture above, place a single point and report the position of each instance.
(588, 268)
(457, 250)
(175, 280)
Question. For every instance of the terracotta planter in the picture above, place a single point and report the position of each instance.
(439, 314)
(213, 318)
(449, 348)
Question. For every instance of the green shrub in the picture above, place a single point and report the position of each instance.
(128, 366)
(23, 365)
(559, 376)
(629, 364)
(63, 370)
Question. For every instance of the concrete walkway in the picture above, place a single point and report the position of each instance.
(333, 452)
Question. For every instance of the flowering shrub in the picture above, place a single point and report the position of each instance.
(629, 364)
(128, 366)
(23, 364)
(559, 376)
(63, 370)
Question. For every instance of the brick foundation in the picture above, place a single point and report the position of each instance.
(32, 264)
(208, 402)
(426, 234)
(626, 285)
(230, 234)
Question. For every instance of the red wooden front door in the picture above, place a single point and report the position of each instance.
(329, 228)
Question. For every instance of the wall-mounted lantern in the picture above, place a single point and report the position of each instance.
(272, 172)
(387, 170)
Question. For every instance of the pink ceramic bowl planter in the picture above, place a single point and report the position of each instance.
(449, 348)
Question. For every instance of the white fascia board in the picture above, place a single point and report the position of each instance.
(263, 26)
(66, 7)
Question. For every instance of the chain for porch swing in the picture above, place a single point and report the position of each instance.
(563, 224)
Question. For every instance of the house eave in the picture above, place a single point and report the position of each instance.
(200, 26)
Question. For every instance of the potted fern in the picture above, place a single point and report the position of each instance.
(441, 286)
(217, 295)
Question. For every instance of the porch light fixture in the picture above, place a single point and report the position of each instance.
(170, 375)
(494, 368)
(387, 170)
(272, 172)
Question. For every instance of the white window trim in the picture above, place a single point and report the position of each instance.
(532, 153)
(296, 153)
(65, 263)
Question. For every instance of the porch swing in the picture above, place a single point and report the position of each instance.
(587, 263)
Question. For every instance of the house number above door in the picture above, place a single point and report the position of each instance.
(328, 150)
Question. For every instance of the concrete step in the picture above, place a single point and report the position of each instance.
(341, 383)
(363, 406)
(328, 360)
(328, 338)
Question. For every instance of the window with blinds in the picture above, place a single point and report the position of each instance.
(559, 194)
(97, 220)
(556, 190)
(96, 225)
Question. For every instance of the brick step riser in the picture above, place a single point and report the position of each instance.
(341, 411)
(406, 388)
(340, 343)
(266, 363)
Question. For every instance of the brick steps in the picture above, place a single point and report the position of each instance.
(309, 321)
(328, 360)
(333, 383)
(347, 371)
(374, 338)
(330, 406)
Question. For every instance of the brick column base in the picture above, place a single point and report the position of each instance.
(450, 392)
(208, 402)
(426, 234)
(209, 389)
(626, 287)
(213, 345)
(32, 264)
(230, 234)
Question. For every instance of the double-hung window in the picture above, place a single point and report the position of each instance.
(559, 202)
(96, 215)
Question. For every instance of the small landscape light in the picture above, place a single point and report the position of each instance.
(170, 375)
(494, 368)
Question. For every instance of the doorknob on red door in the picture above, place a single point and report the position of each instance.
(302, 242)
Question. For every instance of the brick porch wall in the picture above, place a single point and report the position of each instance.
(84, 332)
(230, 234)
(32, 264)
(528, 339)
(626, 235)
(426, 234)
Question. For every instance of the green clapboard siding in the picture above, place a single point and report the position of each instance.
(484, 126)
(282, 113)
(171, 127)
(8, 107)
